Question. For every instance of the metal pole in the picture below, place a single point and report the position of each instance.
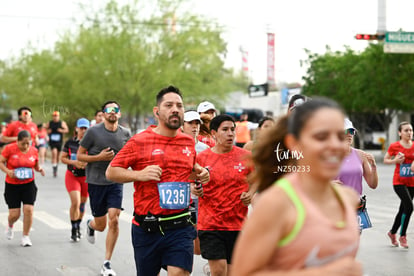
(381, 28)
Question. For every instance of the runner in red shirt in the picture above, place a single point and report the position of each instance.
(162, 159)
(21, 158)
(401, 154)
(24, 123)
(224, 200)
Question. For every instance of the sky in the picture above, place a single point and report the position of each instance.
(297, 25)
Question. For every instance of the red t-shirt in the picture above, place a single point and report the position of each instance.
(15, 127)
(398, 179)
(209, 141)
(220, 208)
(175, 155)
(17, 159)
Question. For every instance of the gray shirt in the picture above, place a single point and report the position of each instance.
(95, 140)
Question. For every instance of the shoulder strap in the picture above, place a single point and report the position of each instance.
(285, 185)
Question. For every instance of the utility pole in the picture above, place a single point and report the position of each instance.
(382, 17)
(381, 25)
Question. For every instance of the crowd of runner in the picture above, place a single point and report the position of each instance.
(196, 173)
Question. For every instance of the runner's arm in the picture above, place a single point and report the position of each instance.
(105, 155)
(64, 128)
(369, 168)
(3, 167)
(123, 175)
(200, 173)
(8, 139)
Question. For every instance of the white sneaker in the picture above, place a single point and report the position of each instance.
(106, 270)
(9, 233)
(26, 241)
(90, 233)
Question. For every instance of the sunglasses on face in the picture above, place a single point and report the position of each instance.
(27, 113)
(83, 128)
(110, 109)
(350, 131)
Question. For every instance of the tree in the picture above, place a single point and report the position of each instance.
(370, 82)
(125, 53)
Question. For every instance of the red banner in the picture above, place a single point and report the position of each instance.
(271, 60)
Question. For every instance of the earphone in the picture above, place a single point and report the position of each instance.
(158, 113)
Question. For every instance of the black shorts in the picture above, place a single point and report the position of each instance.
(217, 245)
(14, 194)
(103, 197)
(56, 145)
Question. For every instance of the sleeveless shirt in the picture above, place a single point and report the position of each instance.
(352, 171)
(315, 240)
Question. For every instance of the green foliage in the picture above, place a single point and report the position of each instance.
(125, 53)
(367, 84)
(371, 81)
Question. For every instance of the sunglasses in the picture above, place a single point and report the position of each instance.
(351, 131)
(27, 113)
(110, 109)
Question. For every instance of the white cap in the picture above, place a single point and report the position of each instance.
(348, 124)
(204, 106)
(191, 116)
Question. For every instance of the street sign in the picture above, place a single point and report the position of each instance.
(399, 42)
(399, 37)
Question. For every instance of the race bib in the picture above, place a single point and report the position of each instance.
(405, 170)
(174, 195)
(73, 156)
(23, 173)
(55, 137)
(363, 219)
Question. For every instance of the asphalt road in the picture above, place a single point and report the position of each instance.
(53, 254)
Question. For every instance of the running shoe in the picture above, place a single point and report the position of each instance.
(9, 233)
(54, 171)
(74, 235)
(26, 241)
(90, 233)
(393, 238)
(403, 241)
(106, 270)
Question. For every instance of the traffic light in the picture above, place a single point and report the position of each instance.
(370, 36)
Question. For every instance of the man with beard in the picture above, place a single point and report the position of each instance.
(162, 159)
(98, 147)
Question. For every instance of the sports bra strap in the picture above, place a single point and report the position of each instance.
(285, 185)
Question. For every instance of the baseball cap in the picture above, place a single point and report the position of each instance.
(82, 122)
(191, 116)
(348, 124)
(55, 113)
(296, 100)
(204, 106)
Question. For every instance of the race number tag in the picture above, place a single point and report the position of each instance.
(174, 195)
(405, 170)
(363, 219)
(55, 137)
(23, 173)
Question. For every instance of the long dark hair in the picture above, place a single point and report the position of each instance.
(273, 139)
